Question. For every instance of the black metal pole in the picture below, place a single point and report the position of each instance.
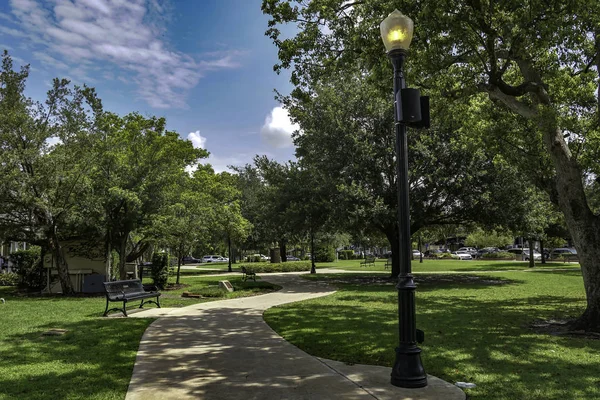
(408, 371)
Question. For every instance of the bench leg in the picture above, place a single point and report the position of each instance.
(106, 310)
(157, 302)
(123, 310)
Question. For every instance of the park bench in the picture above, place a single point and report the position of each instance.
(129, 290)
(248, 274)
(369, 261)
(388, 263)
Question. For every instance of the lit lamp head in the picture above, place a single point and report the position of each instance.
(396, 31)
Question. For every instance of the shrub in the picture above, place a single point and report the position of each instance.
(325, 254)
(445, 255)
(9, 279)
(500, 255)
(159, 271)
(31, 272)
(290, 266)
(346, 254)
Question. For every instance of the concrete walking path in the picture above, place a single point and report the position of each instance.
(225, 350)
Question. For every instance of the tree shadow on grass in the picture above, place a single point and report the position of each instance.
(468, 337)
(94, 359)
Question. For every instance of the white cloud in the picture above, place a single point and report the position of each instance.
(126, 33)
(277, 129)
(198, 141)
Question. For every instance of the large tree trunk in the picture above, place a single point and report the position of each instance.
(583, 225)
(229, 253)
(108, 261)
(392, 235)
(542, 251)
(313, 269)
(122, 257)
(179, 257)
(283, 250)
(531, 260)
(61, 264)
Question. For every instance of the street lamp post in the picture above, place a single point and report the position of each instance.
(408, 371)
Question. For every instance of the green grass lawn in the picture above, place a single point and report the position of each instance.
(448, 265)
(477, 329)
(95, 358)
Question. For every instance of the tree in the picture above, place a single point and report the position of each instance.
(532, 67)
(42, 184)
(347, 136)
(138, 161)
(185, 220)
(229, 223)
(489, 238)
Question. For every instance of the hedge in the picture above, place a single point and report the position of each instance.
(290, 266)
(159, 271)
(500, 255)
(9, 279)
(346, 255)
(30, 270)
(445, 255)
(325, 254)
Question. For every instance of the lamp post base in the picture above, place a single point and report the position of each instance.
(408, 371)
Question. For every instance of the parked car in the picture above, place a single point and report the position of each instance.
(190, 260)
(523, 254)
(416, 253)
(537, 256)
(292, 258)
(471, 250)
(261, 256)
(486, 250)
(463, 255)
(224, 259)
(562, 252)
(212, 258)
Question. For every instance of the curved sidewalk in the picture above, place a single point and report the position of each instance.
(225, 350)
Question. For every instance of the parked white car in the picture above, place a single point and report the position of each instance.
(537, 256)
(463, 255)
(212, 258)
(262, 257)
(416, 253)
(523, 254)
(471, 250)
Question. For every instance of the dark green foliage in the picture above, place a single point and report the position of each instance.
(290, 266)
(346, 255)
(159, 271)
(253, 259)
(325, 254)
(9, 279)
(32, 274)
(501, 255)
(444, 255)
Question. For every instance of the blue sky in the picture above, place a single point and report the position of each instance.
(205, 65)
